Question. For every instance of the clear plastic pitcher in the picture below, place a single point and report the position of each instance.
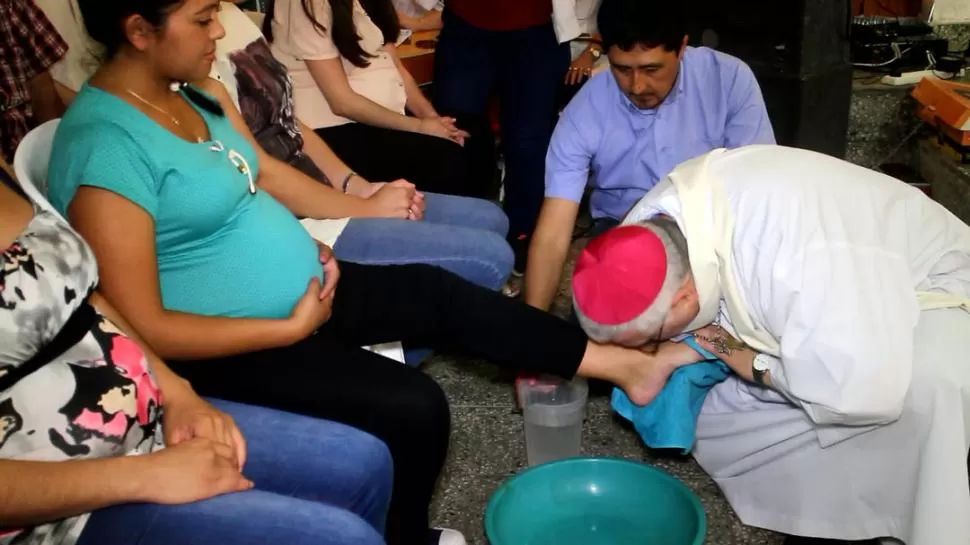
(553, 409)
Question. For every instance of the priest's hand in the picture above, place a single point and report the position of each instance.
(733, 352)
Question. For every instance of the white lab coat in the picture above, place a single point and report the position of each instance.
(869, 434)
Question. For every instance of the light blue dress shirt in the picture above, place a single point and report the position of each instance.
(622, 151)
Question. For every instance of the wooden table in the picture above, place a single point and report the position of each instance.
(419, 59)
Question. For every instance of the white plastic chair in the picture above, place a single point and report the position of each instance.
(30, 162)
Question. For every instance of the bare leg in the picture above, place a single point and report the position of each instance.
(640, 374)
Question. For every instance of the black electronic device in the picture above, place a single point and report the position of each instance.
(893, 45)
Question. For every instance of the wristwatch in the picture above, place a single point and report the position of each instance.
(595, 52)
(760, 367)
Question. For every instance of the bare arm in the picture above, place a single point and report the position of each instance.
(417, 102)
(548, 250)
(327, 161)
(344, 101)
(123, 238)
(37, 492)
(44, 99)
(302, 195)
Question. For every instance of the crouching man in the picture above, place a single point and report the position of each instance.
(839, 297)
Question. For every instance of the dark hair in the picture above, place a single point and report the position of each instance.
(648, 23)
(343, 32)
(104, 21)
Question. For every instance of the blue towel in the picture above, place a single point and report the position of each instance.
(670, 420)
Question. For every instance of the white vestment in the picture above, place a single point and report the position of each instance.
(867, 435)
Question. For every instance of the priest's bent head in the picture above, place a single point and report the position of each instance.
(633, 284)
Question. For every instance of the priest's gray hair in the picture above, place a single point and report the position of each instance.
(651, 321)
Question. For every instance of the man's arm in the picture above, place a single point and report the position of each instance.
(747, 120)
(44, 98)
(567, 173)
(734, 353)
(548, 251)
(42, 47)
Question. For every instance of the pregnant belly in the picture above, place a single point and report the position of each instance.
(259, 272)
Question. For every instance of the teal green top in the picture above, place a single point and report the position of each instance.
(222, 251)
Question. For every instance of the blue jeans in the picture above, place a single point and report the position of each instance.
(526, 68)
(462, 235)
(317, 483)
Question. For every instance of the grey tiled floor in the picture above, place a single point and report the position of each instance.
(487, 447)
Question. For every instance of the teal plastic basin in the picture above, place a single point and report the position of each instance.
(594, 501)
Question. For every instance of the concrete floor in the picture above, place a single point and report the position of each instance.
(488, 447)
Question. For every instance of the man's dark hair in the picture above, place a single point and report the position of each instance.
(647, 23)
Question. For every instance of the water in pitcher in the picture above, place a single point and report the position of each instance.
(553, 410)
(547, 443)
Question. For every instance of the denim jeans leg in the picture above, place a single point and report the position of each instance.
(317, 483)
(460, 235)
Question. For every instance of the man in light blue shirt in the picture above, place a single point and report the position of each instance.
(660, 104)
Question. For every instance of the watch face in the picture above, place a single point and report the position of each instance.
(759, 363)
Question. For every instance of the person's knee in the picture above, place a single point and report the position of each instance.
(421, 412)
(491, 217)
(310, 522)
(372, 461)
(498, 259)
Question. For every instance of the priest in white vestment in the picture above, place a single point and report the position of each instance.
(839, 297)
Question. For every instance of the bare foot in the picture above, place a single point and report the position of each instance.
(640, 374)
(645, 375)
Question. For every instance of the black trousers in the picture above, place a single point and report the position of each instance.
(432, 164)
(327, 375)
(525, 68)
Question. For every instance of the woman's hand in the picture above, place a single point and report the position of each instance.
(580, 68)
(310, 313)
(397, 199)
(193, 470)
(316, 306)
(331, 271)
(458, 135)
(443, 127)
(188, 416)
